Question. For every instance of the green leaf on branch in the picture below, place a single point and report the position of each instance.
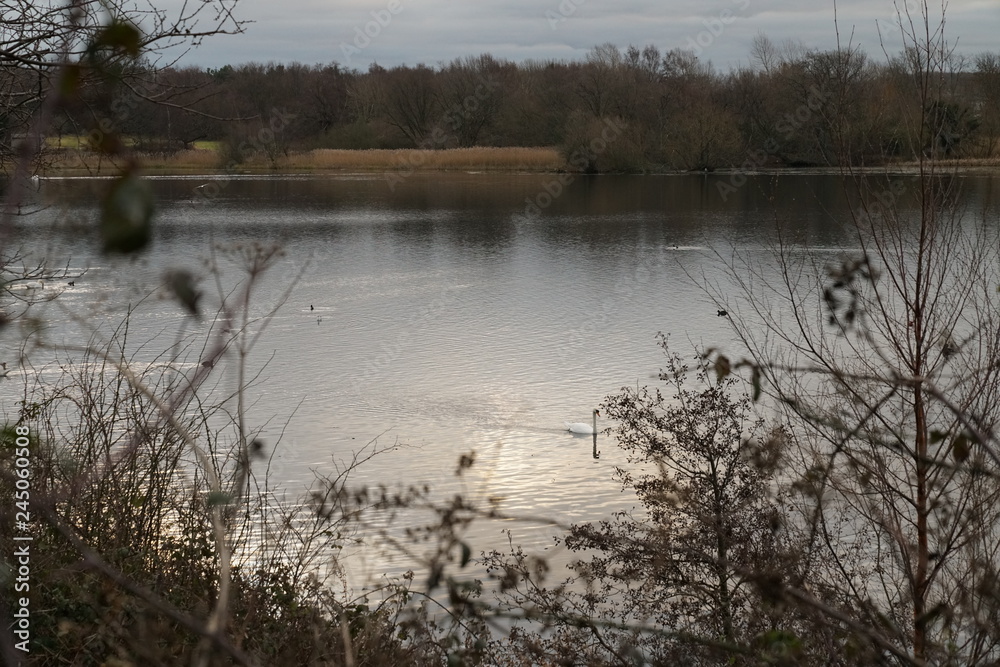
(437, 571)
(781, 646)
(69, 82)
(960, 447)
(108, 143)
(182, 284)
(126, 215)
(722, 367)
(119, 36)
(466, 555)
(216, 498)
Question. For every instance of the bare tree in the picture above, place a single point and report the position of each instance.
(55, 58)
(86, 43)
(987, 101)
(51, 59)
(686, 579)
(472, 98)
(411, 101)
(885, 360)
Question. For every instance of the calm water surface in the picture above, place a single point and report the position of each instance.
(445, 321)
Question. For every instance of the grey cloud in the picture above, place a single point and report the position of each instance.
(434, 31)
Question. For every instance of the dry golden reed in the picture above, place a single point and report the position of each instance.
(485, 158)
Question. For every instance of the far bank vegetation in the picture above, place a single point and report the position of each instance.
(787, 107)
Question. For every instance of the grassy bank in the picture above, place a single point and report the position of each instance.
(320, 160)
(211, 157)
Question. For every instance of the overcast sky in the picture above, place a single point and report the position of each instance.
(437, 31)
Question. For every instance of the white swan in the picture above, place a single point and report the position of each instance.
(580, 427)
(26, 287)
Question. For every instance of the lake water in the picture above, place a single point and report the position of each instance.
(443, 319)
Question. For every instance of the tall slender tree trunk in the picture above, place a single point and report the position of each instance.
(722, 559)
(725, 598)
(920, 576)
(922, 467)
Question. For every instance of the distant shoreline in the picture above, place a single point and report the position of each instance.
(404, 161)
(201, 161)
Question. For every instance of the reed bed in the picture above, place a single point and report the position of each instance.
(476, 158)
(192, 160)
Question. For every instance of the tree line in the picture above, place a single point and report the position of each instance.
(790, 107)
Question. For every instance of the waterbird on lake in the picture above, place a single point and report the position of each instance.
(580, 427)
(311, 307)
(3, 373)
(29, 286)
(71, 283)
(722, 313)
